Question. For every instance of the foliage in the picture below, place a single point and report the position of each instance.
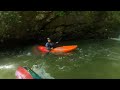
(60, 13)
(28, 24)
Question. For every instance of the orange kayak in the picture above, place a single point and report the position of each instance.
(62, 49)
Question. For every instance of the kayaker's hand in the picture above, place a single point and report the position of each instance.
(56, 42)
(51, 48)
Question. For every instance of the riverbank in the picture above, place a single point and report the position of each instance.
(21, 27)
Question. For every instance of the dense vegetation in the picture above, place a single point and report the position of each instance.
(37, 25)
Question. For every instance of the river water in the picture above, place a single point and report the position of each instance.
(93, 59)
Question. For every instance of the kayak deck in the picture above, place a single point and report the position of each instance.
(26, 73)
(64, 49)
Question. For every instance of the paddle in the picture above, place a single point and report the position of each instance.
(59, 40)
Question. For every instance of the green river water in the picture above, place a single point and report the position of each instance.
(92, 59)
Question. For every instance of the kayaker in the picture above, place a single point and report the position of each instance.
(50, 45)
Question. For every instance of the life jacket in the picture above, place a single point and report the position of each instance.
(49, 45)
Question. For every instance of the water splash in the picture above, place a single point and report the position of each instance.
(28, 54)
(117, 39)
(41, 71)
(6, 66)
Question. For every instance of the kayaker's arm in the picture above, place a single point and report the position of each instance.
(59, 40)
